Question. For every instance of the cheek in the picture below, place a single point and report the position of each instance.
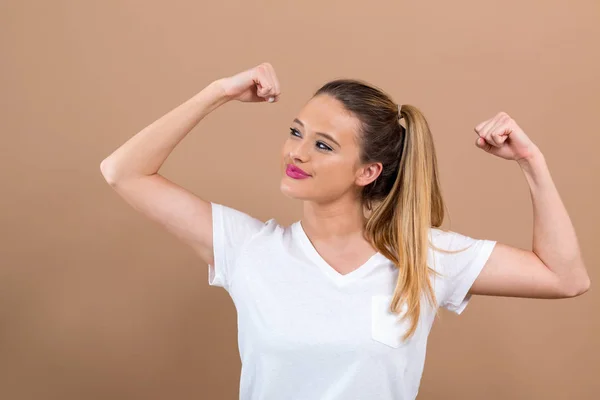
(337, 173)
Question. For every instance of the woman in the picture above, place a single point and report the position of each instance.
(339, 305)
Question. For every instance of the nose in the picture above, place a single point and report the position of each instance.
(298, 153)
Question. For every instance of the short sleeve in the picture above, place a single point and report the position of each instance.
(461, 269)
(232, 230)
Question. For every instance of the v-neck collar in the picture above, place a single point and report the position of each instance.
(336, 277)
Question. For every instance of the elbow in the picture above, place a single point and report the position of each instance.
(586, 285)
(579, 288)
(114, 175)
(108, 172)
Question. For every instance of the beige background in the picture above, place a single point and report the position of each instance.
(96, 302)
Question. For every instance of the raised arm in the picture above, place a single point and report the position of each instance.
(554, 268)
(132, 169)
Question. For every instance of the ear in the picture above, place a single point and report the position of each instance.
(368, 174)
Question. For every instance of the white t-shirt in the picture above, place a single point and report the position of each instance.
(307, 332)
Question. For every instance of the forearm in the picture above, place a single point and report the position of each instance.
(554, 238)
(144, 153)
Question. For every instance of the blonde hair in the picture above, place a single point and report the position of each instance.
(407, 190)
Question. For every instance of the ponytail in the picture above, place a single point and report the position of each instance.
(399, 226)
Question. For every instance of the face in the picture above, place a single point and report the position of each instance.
(322, 141)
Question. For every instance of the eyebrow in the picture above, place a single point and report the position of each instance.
(328, 136)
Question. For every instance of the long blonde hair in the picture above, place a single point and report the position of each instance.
(407, 191)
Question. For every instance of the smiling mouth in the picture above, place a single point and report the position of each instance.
(296, 170)
(295, 173)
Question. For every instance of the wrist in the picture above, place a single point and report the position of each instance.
(535, 156)
(211, 97)
(535, 169)
(216, 87)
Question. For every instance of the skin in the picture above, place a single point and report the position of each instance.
(333, 214)
(333, 217)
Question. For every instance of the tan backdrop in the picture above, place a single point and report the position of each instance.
(96, 302)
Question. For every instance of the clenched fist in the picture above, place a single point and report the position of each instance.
(257, 84)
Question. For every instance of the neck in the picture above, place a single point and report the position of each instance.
(338, 222)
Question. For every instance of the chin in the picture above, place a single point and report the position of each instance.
(290, 188)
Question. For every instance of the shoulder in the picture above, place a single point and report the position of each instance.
(450, 248)
(458, 251)
(236, 222)
(448, 239)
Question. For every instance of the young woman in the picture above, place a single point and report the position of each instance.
(339, 304)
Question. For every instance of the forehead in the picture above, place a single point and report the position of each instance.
(324, 113)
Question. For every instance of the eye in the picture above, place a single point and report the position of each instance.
(293, 131)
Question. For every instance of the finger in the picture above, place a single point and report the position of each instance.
(482, 144)
(502, 131)
(493, 130)
(502, 128)
(494, 135)
(264, 85)
(271, 94)
(276, 88)
(485, 128)
(480, 129)
(496, 138)
(481, 125)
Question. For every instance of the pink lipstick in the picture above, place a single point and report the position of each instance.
(294, 172)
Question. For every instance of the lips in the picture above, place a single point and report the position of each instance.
(297, 170)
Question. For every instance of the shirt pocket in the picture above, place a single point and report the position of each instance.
(386, 327)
